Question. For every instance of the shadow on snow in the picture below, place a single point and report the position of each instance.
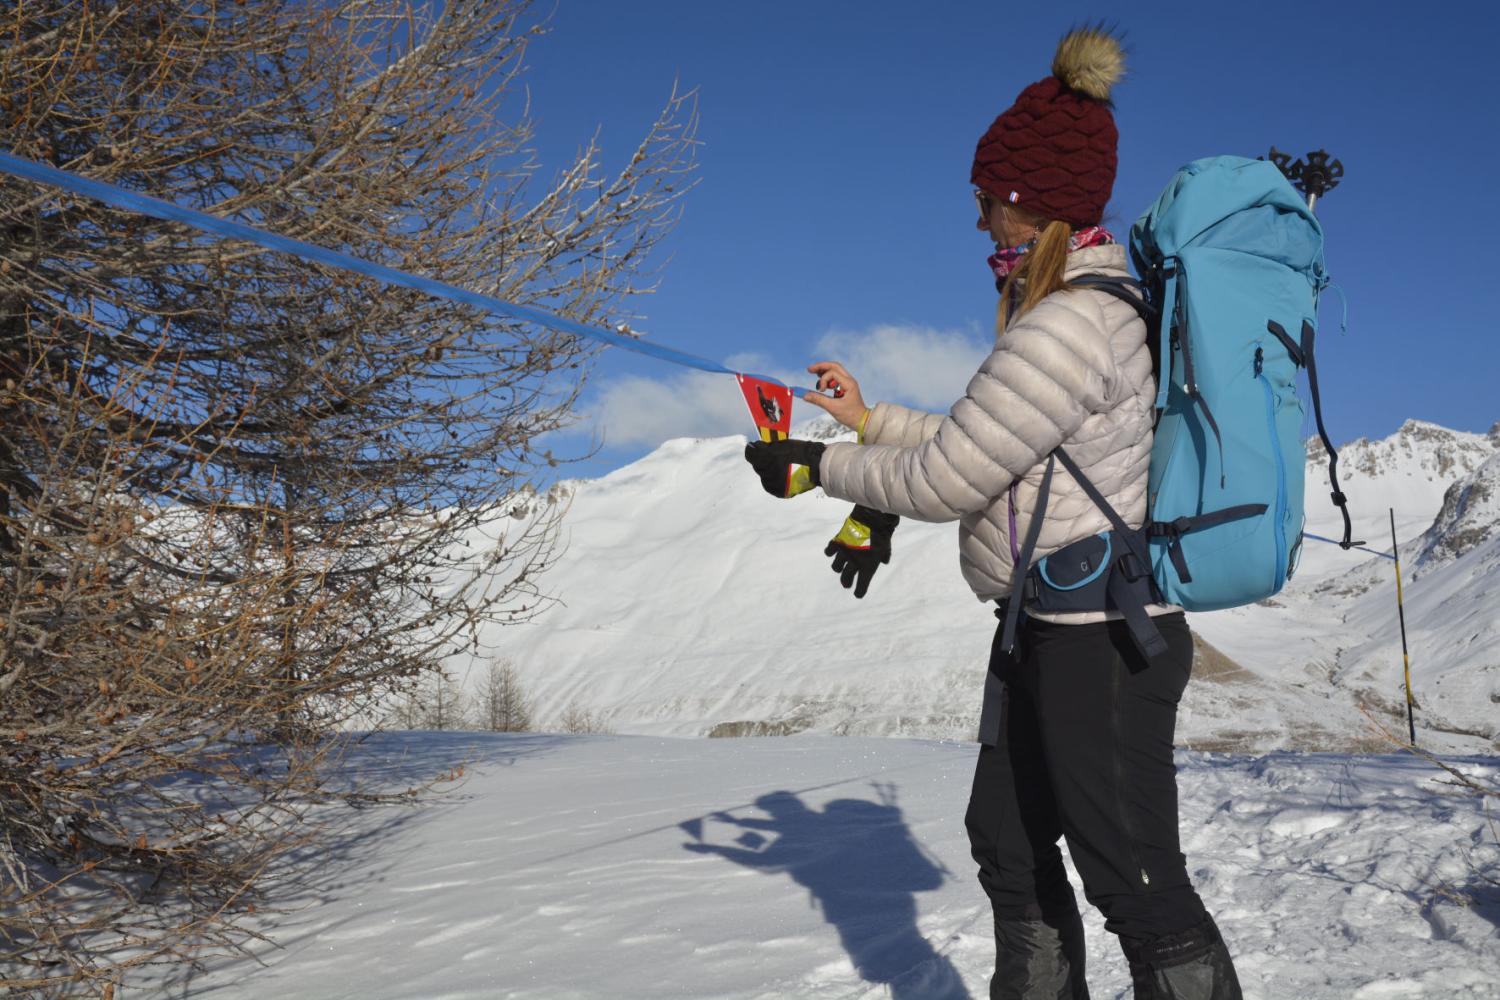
(862, 868)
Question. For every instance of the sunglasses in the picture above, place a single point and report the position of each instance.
(985, 201)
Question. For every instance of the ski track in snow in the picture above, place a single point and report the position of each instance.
(567, 867)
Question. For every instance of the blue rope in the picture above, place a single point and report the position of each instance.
(41, 173)
(1335, 541)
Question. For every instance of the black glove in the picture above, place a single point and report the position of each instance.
(786, 468)
(861, 546)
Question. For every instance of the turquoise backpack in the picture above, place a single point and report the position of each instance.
(1231, 265)
(1235, 257)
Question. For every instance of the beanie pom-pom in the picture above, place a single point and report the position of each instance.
(1089, 61)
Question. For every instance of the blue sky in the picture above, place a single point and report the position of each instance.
(833, 214)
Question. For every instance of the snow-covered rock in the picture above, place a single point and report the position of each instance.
(1469, 517)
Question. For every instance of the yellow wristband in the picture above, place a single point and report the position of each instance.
(853, 535)
(862, 421)
(798, 481)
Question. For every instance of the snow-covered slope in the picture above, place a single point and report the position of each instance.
(692, 603)
(585, 868)
(1452, 608)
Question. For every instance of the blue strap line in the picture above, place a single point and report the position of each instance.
(1344, 302)
(1335, 541)
(41, 173)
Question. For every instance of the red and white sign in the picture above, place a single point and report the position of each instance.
(770, 407)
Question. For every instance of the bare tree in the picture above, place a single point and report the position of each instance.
(504, 706)
(408, 710)
(242, 496)
(578, 719)
(446, 703)
(436, 701)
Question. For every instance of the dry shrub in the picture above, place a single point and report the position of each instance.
(577, 718)
(241, 494)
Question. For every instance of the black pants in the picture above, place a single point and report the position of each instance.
(1085, 752)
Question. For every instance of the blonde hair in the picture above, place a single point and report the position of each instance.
(1038, 275)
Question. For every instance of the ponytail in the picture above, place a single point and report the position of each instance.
(1039, 274)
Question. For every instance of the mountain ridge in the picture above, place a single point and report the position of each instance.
(691, 604)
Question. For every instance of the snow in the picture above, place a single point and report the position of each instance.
(833, 863)
(816, 867)
(692, 601)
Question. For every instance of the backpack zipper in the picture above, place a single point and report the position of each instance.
(1279, 524)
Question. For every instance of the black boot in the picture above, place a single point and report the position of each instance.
(1190, 965)
(1039, 960)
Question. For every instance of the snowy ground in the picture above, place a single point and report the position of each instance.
(823, 867)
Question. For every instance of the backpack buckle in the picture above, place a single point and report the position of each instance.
(1129, 567)
(1173, 529)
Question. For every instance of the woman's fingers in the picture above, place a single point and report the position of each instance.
(825, 369)
(846, 405)
(817, 399)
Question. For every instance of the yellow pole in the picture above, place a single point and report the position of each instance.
(1411, 727)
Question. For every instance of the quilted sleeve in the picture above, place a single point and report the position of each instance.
(899, 426)
(1047, 374)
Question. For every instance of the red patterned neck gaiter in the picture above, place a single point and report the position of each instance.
(1006, 260)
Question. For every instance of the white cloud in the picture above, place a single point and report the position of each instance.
(914, 365)
(636, 409)
(639, 410)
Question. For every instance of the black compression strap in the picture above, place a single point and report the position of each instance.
(1178, 527)
(1189, 383)
(1339, 500)
(1143, 631)
(1279, 332)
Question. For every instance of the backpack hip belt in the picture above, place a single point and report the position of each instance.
(1077, 577)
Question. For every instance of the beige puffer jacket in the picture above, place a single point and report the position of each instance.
(1074, 371)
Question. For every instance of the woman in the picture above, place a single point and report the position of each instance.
(1084, 749)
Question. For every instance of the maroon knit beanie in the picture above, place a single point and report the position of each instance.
(1053, 151)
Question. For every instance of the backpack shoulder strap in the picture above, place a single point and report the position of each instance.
(1133, 293)
(1339, 499)
(1127, 290)
(1023, 561)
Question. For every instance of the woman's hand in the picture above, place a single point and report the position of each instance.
(850, 410)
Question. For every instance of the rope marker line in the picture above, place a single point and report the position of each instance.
(130, 201)
(1335, 541)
